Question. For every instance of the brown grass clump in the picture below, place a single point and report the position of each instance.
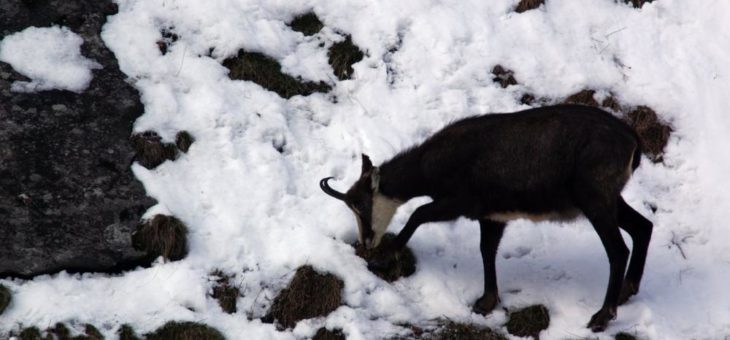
(187, 330)
(150, 149)
(326, 334)
(342, 56)
(162, 236)
(265, 71)
(307, 24)
(653, 133)
(611, 103)
(168, 38)
(32, 333)
(126, 332)
(583, 97)
(526, 5)
(309, 294)
(183, 140)
(400, 265)
(637, 3)
(462, 331)
(503, 76)
(226, 293)
(528, 321)
(624, 336)
(5, 298)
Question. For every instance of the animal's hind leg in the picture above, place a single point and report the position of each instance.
(639, 228)
(491, 234)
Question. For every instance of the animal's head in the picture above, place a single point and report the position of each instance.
(372, 210)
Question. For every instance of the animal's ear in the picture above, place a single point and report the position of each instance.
(367, 165)
(375, 179)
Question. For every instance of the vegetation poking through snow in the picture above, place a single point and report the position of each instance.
(653, 133)
(402, 265)
(624, 336)
(308, 295)
(266, 72)
(326, 334)
(225, 292)
(526, 5)
(462, 331)
(183, 140)
(637, 3)
(503, 76)
(126, 332)
(162, 235)
(168, 38)
(5, 298)
(187, 330)
(307, 24)
(528, 321)
(150, 150)
(31, 333)
(583, 97)
(342, 56)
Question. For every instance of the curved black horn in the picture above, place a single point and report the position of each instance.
(329, 191)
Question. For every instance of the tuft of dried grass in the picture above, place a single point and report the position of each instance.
(528, 321)
(396, 266)
(583, 97)
(307, 24)
(653, 133)
(183, 140)
(503, 76)
(342, 56)
(223, 291)
(637, 3)
(266, 71)
(126, 332)
(462, 331)
(526, 5)
(150, 149)
(162, 235)
(326, 334)
(624, 336)
(187, 330)
(308, 295)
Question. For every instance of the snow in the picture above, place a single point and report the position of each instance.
(259, 213)
(50, 57)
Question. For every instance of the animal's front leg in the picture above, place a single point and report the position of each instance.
(491, 234)
(436, 211)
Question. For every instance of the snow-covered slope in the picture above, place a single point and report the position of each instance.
(258, 212)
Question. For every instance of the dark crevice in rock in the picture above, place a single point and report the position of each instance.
(266, 72)
(68, 199)
(342, 56)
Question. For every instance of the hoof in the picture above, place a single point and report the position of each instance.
(485, 304)
(600, 320)
(628, 289)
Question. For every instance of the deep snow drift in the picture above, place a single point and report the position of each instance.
(247, 188)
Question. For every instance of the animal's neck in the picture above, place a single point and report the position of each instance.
(401, 177)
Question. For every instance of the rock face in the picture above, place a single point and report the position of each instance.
(68, 199)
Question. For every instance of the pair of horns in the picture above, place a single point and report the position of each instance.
(367, 168)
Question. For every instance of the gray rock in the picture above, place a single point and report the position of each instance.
(68, 200)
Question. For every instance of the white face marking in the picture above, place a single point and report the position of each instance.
(383, 210)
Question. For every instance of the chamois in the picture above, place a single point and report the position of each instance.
(552, 163)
